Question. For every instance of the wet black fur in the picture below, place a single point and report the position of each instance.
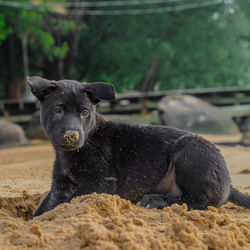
(128, 160)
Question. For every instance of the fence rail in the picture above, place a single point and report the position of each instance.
(144, 102)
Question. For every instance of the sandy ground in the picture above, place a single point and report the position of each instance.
(108, 222)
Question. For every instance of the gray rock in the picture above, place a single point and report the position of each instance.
(34, 129)
(11, 134)
(246, 132)
(192, 114)
(245, 139)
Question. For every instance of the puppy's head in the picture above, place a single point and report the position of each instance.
(68, 109)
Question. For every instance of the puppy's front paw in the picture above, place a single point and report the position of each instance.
(153, 201)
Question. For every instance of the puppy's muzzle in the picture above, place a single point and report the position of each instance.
(71, 137)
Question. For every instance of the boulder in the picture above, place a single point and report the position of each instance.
(246, 132)
(245, 139)
(192, 114)
(34, 129)
(11, 134)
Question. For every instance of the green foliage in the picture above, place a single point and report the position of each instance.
(203, 47)
(4, 30)
(196, 48)
(44, 32)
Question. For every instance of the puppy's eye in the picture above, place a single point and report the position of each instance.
(57, 110)
(84, 112)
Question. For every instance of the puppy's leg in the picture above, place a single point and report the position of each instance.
(65, 193)
(201, 172)
(49, 202)
(167, 192)
(106, 185)
(162, 200)
(197, 176)
(46, 205)
(158, 201)
(58, 194)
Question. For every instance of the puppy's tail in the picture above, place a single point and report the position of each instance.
(239, 198)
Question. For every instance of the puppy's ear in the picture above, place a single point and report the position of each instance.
(40, 86)
(99, 91)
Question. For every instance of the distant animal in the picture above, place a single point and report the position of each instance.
(154, 166)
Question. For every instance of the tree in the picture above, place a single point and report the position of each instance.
(202, 47)
(194, 48)
(47, 44)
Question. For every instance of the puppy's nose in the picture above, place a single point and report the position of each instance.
(71, 136)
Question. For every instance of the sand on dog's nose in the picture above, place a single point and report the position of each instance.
(71, 139)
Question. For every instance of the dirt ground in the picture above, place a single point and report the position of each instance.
(108, 222)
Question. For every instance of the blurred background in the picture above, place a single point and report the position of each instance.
(182, 63)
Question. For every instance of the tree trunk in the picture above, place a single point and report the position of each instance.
(147, 82)
(27, 93)
(13, 90)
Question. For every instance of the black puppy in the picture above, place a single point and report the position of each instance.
(154, 165)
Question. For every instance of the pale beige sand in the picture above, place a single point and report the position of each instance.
(108, 222)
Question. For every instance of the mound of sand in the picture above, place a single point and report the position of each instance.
(101, 221)
(108, 222)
